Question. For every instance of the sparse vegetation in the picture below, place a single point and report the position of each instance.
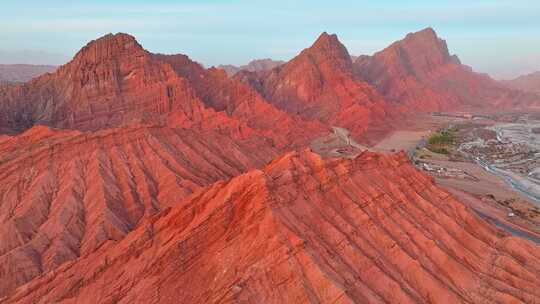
(439, 150)
(441, 142)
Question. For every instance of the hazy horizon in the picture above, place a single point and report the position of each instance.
(494, 37)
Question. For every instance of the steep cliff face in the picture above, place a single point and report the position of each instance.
(114, 82)
(419, 72)
(301, 230)
(319, 84)
(243, 103)
(64, 194)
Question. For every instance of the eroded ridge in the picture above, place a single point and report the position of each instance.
(64, 194)
(303, 229)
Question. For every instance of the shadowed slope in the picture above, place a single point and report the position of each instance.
(370, 230)
(241, 102)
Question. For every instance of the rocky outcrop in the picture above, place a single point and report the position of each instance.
(241, 102)
(304, 229)
(111, 82)
(419, 73)
(319, 84)
(114, 82)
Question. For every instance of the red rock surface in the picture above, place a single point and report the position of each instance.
(65, 193)
(113, 82)
(368, 230)
(127, 183)
(241, 102)
(110, 82)
(419, 73)
(319, 84)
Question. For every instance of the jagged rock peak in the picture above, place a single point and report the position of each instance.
(110, 45)
(329, 43)
(327, 50)
(427, 43)
(428, 32)
(325, 38)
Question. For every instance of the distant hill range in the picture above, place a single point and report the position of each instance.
(253, 66)
(23, 72)
(527, 83)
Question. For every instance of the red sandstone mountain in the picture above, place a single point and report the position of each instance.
(305, 230)
(527, 83)
(238, 100)
(319, 84)
(418, 72)
(67, 193)
(143, 194)
(258, 65)
(113, 82)
(110, 82)
(22, 72)
(126, 151)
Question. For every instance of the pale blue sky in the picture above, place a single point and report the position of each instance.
(500, 37)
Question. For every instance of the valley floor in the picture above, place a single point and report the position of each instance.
(487, 193)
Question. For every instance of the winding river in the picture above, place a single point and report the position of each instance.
(514, 155)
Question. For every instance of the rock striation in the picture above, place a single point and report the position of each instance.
(110, 82)
(306, 230)
(114, 82)
(132, 177)
(64, 194)
(241, 102)
(320, 84)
